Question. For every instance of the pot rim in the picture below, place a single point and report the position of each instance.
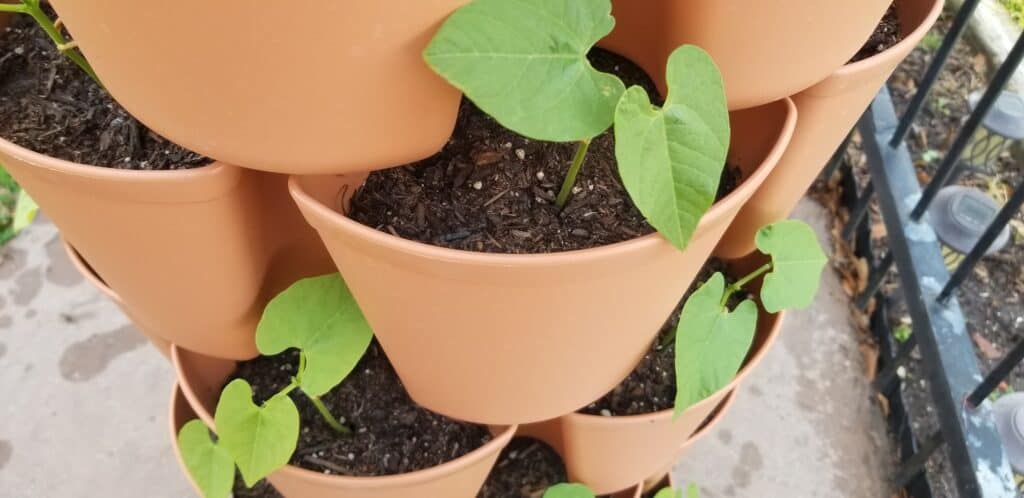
(88, 272)
(502, 436)
(903, 46)
(733, 201)
(729, 389)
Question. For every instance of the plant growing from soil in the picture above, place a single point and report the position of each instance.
(525, 64)
(572, 490)
(319, 317)
(70, 50)
(712, 341)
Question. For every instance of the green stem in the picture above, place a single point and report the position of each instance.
(13, 7)
(33, 9)
(730, 290)
(574, 171)
(326, 414)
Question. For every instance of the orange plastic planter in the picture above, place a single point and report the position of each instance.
(609, 453)
(76, 259)
(767, 50)
(320, 86)
(201, 379)
(194, 254)
(828, 111)
(507, 339)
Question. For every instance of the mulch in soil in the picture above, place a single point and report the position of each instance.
(49, 105)
(391, 434)
(492, 190)
(651, 387)
(888, 33)
(525, 469)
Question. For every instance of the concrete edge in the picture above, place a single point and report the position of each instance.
(994, 32)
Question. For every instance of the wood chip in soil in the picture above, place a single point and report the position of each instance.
(49, 105)
(391, 434)
(492, 190)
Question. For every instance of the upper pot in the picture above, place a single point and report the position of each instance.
(767, 50)
(89, 274)
(201, 379)
(194, 254)
(609, 453)
(503, 339)
(828, 111)
(324, 86)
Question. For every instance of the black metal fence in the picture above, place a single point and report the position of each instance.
(914, 257)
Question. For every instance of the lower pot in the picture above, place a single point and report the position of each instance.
(828, 111)
(201, 378)
(89, 274)
(610, 453)
(505, 339)
(194, 254)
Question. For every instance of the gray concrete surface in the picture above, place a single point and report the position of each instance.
(83, 411)
(995, 32)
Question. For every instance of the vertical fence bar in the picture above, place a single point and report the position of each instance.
(837, 157)
(877, 277)
(938, 62)
(860, 209)
(997, 375)
(1011, 207)
(950, 162)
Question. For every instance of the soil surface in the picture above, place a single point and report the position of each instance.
(888, 33)
(492, 190)
(262, 489)
(525, 469)
(49, 105)
(391, 434)
(651, 387)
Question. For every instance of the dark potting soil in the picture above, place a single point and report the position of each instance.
(492, 190)
(525, 469)
(651, 387)
(390, 434)
(888, 33)
(262, 489)
(49, 105)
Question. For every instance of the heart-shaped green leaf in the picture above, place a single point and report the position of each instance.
(671, 159)
(261, 439)
(711, 343)
(567, 490)
(210, 465)
(320, 317)
(797, 262)
(669, 493)
(524, 62)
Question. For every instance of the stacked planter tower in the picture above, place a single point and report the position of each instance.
(297, 106)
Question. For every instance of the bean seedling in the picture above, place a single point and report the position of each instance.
(572, 490)
(712, 341)
(70, 50)
(525, 64)
(319, 317)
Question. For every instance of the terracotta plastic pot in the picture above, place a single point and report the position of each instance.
(319, 87)
(83, 267)
(767, 50)
(609, 453)
(201, 379)
(506, 339)
(828, 111)
(194, 254)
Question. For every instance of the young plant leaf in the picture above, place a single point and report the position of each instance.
(209, 464)
(797, 262)
(711, 342)
(524, 62)
(693, 491)
(320, 317)
(669, 493)
(567, 490)
(261, 439)
(671, 159)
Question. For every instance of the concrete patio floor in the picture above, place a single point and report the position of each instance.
(85, 398)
